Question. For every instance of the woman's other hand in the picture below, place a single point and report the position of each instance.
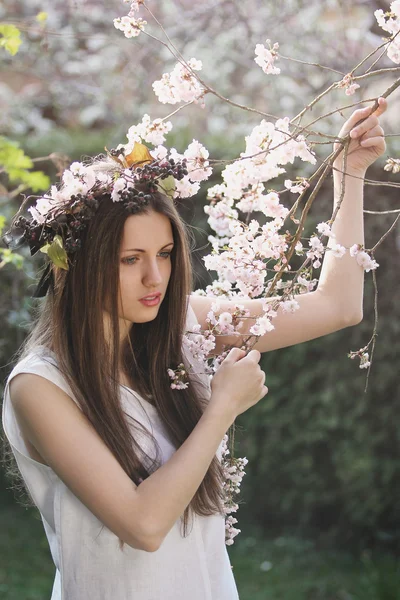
(367, 139)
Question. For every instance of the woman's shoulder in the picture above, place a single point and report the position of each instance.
(36, 357)
(41, 361)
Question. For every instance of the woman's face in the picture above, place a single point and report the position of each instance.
(145, 266)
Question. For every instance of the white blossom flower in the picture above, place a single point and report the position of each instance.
(119, 186)
(262, 326)
(297, 187)
(197, 163)
(354, 249)
(149, 131)
(390, 22)
(338, 251)
(366, 262)
(324, 229)
(266, 58)
(351, 89)
(316, 244)
(392, 164)
(130, 26)
(290, 305)
(180, 85)
(186, 188)
(364, 360)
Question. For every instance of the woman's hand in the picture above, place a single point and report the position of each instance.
(367, 139)
(238, 384)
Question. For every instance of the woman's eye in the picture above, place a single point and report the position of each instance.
(130, 260)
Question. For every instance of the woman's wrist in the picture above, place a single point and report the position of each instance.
(350, 172)
(217, 414)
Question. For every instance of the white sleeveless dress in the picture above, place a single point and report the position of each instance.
(89, 564)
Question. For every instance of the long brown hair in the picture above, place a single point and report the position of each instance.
(70, 323)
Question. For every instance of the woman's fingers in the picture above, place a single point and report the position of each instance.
(382, 106)
(374, 132)
(353, 123)
(365, 126)
(254, 355)
(373, 141)
(358, 115)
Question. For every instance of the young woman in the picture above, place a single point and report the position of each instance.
(125, 470)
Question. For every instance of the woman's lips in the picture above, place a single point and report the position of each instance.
(151, 300)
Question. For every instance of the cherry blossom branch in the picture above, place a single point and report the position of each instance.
(377, 72)
(375, 330)
(177, 110)
(311, 64)
(393, 225)
(387, 44)
(382, 212)
(297, 235)
(364, 60)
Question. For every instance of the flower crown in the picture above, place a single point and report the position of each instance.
(58, 219)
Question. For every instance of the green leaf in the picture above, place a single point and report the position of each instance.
(2, 223)
(36, 180)
(167, 186)
(10, 257)
(56, 252)
(10, 38)
(16, 163)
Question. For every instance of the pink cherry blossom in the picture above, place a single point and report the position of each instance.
(390, 22)
(149, 131)
(266, 58)
(130, 26)
(366, 262)
(324, 229)
(338, 251)
(197, 163)
(180, 85)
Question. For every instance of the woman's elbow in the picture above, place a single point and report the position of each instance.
(351, 319)
(146, 544)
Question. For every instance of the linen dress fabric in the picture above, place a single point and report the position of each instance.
(89, 564)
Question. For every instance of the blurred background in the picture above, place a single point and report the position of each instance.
(319, 513)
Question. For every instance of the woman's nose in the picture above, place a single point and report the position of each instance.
(152, 275)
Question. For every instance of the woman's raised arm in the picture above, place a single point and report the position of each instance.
(337, 301)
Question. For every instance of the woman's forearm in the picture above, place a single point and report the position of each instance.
(342, 279)
(164, 495)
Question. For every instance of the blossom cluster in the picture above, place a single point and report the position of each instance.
(198, 166)
(130, 25)
(78, 179)
(363, 258)
(349, 85)
(392, 164)
(365, 363)
(233, 470)
(390, 22)
(265, 58)
(181, 85)
(179, 377)
(152, 132)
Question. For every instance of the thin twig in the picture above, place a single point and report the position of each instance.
(379, 242)
(375, 330)
(311, 64)
(382, 212)
(377, 72)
